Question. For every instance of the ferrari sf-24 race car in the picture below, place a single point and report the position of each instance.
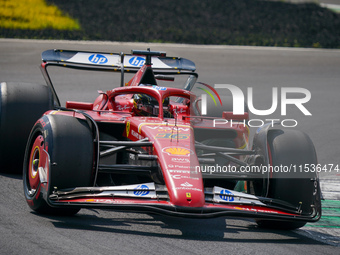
(144, 147)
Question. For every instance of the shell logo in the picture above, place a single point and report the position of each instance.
(177, 151)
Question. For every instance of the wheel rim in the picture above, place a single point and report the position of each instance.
(35, 163)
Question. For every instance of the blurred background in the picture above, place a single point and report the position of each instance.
(289, 23)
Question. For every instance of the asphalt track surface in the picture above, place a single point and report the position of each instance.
(106, 232)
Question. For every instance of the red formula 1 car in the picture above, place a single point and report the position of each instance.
(146, 147)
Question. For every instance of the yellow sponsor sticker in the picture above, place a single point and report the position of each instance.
(127, 128)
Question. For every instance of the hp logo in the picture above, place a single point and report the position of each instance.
(137, 61)
(141, 190)
(227, 195)
(98, 59)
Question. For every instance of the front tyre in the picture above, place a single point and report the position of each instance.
(59, 154)
(289, 148)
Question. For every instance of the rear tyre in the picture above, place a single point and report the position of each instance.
(292, 148)
(21, 104)
(62, 147)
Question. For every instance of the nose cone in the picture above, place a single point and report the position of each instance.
(188, 195)
(184, 183)
(175, 148)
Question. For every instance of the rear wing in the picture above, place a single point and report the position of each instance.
(113, 61)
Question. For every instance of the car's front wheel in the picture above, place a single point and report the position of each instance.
(290, 149)
(59, 155)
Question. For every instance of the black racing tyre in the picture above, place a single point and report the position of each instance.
(69, 144)
(292, 148)
(21, 105)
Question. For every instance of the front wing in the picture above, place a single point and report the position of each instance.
(153, 198)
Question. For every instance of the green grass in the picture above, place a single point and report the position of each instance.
(330, 215)
(33, 15)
